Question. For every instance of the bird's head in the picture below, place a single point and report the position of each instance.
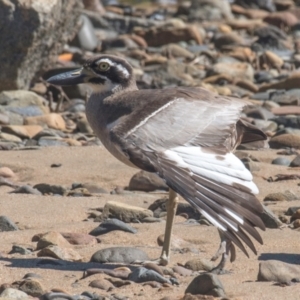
(103, 73)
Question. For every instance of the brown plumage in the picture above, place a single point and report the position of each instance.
(186, 135)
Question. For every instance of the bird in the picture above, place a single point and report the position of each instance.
(187, 136)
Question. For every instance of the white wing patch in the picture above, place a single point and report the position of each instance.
(226, 169)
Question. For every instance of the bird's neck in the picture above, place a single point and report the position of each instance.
(105, 107)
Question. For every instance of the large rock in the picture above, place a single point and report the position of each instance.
(32, 34)
(278, 271)
(124, 255)
(206, 284)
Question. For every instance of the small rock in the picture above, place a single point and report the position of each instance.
(154, 267)
(199, 264)
(206, 284)
(6, 224)
(11, 293)
(270, 219)
(32, 287)
(93, 188)
(125, 255)
(278, 271)
(75, 238)
(159, 36)
(291, 210)
(296, 215)
(101, 284)
(111, 225)
(60, 253)
(295, 162)
(197, 297)
(52, 142)
(296, 223)
(124, 212)
(281, 161)
(119, 283)
(23, 131)
(142, 274)
(285, 140)
(121, 272)
(79, 192)
(51, 120)
(7, 173)
(26, 189)
(46, 188)
(235, 69)
(24, 250)
(286, 196)
(6, 137)
(182, 271)
(52, 238)
(145, 181)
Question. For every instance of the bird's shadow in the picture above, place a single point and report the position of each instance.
(61, 265)
(290, 258)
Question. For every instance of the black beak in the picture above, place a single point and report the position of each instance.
(69, 78)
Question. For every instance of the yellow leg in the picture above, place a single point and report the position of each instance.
(171, 212)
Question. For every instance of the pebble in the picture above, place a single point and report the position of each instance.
(32, 287)
(51, 120)
(126, 255)
(147, 182)
(66, 254)
(52, 141)
(206, 284)
(199, 264)
(6, 224)
(295, 162)
(51, 238)
(111, 225)
(281, 161)
(101, 284)
(285, 140)
(7, 172)
(22, 131)
(75, 238)
(285, 196)
(26, 189)
(125, 212)
(295, 215)
(10, 293)
(270, 219)
(93, 188)
(142, 274)
(278, 271)
(182, 271)
(24, 250)
(49, 189)
(121, 272)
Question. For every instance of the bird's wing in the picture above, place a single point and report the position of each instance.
(188, 142)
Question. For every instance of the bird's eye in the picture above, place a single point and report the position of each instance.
(103, 66)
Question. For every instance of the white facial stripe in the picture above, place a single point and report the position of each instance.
(120, 68)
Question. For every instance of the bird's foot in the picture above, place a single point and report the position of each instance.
(219, 270)
(163, 260)
(225, 250)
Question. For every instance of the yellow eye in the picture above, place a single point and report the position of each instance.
(103, 66)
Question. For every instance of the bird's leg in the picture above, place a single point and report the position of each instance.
(171, 211)
(226, 248)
